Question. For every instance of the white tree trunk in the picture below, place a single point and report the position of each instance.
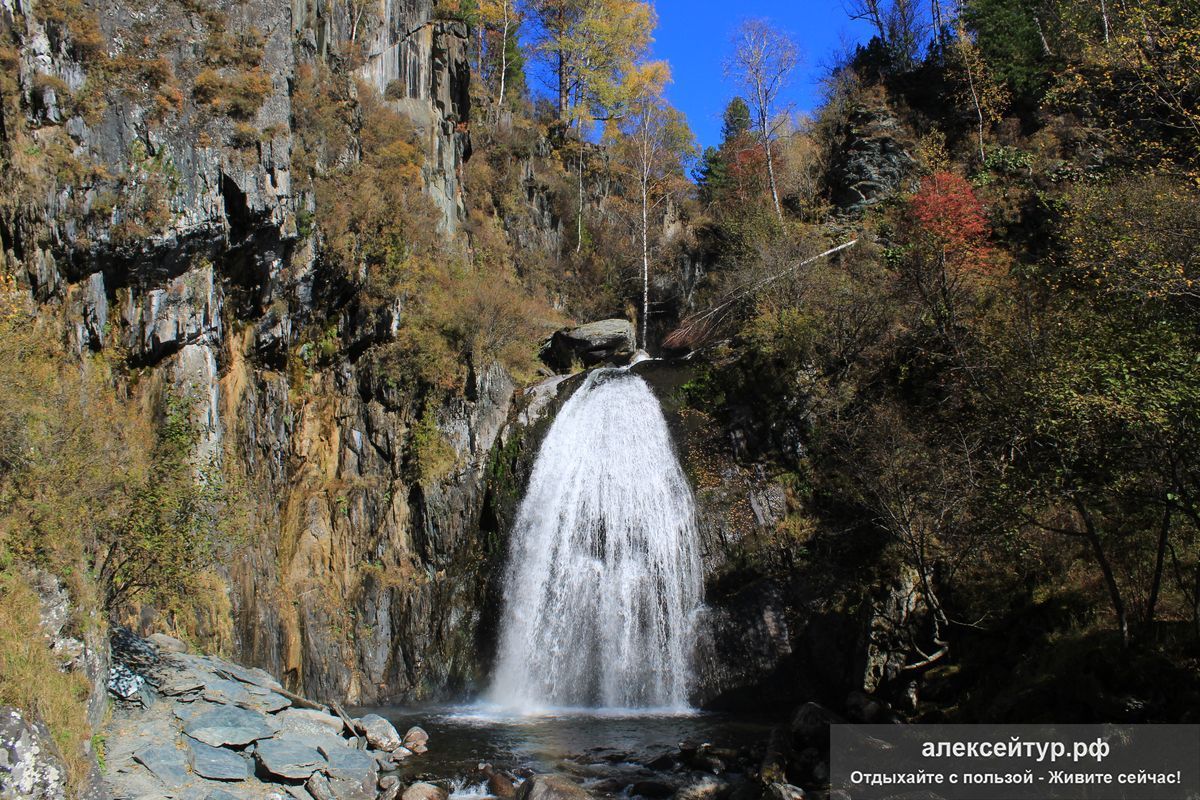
(503, 56)
(645, 257)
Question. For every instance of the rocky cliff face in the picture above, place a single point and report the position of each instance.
(187, 254)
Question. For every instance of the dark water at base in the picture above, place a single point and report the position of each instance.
(607, 752)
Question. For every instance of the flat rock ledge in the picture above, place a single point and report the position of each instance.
(203, 728)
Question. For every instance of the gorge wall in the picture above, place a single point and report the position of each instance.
(165, 226)
(355, 580)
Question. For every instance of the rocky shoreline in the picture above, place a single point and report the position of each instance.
(184, 726)
(190, 726)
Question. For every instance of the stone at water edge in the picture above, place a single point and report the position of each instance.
(607, 340)
(705, 789)
(550, 787)
(414, 737)
(500, 786)
(380, 733)
(652, 789)
(425, 791)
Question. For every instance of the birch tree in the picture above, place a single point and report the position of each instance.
(762, 63)
(654, 147)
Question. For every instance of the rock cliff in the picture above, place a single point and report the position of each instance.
(187, 251)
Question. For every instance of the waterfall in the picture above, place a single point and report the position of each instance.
(604, 580)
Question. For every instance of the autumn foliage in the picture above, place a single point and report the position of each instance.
(948, 215)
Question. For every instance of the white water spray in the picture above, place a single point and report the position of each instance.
(604, 579)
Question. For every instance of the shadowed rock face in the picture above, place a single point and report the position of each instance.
(873, 161)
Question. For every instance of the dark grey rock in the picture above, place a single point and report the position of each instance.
(872, 162)
(230, 725)
(291, 758)
(166, 761)
(216, 763)
(607, 341)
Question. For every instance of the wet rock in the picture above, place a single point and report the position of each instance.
(704, 789)
(29, 767)
(652, 789)
(498, 784)
(291, 758)
(607, 341)
(425, 791)
(550, 787)
(416, 739)
(380, 733)
(166, 761)
(784, 791)
(216, 763)
(230, 725)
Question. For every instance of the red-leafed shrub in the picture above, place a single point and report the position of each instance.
(948, 215)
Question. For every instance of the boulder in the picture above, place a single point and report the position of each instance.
(290, 757)
(29, 766)
(549, 787)
(608, 341)
(416, 737)
(425, 791)
(501, 786)
(216, 763)
(380, 733)
(230, 725)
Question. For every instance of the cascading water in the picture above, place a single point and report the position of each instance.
(604, 579)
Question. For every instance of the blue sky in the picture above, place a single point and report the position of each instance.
(694, 35)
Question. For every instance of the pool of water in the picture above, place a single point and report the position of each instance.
(606, 750)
